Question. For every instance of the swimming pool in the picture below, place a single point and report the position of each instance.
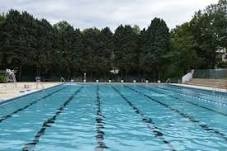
(115, 117)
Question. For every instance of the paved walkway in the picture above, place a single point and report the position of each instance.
(11, 90)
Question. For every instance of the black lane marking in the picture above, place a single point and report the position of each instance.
(193, 96)
(99, 124)
(5, 117)
(48, 123)
(190, 118)
(195, 104)
(147, 120)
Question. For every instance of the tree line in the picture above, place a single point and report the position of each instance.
(34, 47)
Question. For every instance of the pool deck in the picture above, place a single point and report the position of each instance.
(202, 87)
(11, 90)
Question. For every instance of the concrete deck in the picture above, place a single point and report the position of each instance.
(202, 87)
(11, 90)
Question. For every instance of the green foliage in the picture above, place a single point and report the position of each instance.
(125, 49)
(68, 45)
(2, 78)
(194, 44)
(2, 19)
(155, 45)
(35, 47)
(183, 54)
(209, 28)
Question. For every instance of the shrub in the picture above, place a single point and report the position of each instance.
(2, 78)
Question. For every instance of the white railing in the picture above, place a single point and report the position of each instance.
(188, 77)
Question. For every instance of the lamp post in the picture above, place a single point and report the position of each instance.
(85, 77)
(114, 71)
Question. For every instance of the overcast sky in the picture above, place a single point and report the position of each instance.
(100, 13)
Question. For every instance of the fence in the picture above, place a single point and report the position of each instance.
(211, 74)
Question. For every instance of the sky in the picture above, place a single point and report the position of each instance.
(101, 13)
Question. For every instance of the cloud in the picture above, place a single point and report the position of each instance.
(100, 13)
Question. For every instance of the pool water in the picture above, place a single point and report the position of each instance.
(115, 117)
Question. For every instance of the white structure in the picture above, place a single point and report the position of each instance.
(11, 75)
(188, 77)
(97, 81)
(122, 81)
(110, 81)
(85, 77)
(62, 79)
(224, 57)
(222, 54)
(39, 83)
(114, 71)
(134, 81)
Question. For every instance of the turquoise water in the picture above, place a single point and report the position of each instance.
(115, 117)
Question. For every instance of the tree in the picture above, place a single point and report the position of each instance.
(42, 55)
(106, 51)
(17, 40)
(183, 56)
(209, 28)
(125, 49)
(156, 44)
(69, 45)
(35, 47)
(2, 20)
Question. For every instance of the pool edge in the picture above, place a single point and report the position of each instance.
(201, 87)
(27, 94)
